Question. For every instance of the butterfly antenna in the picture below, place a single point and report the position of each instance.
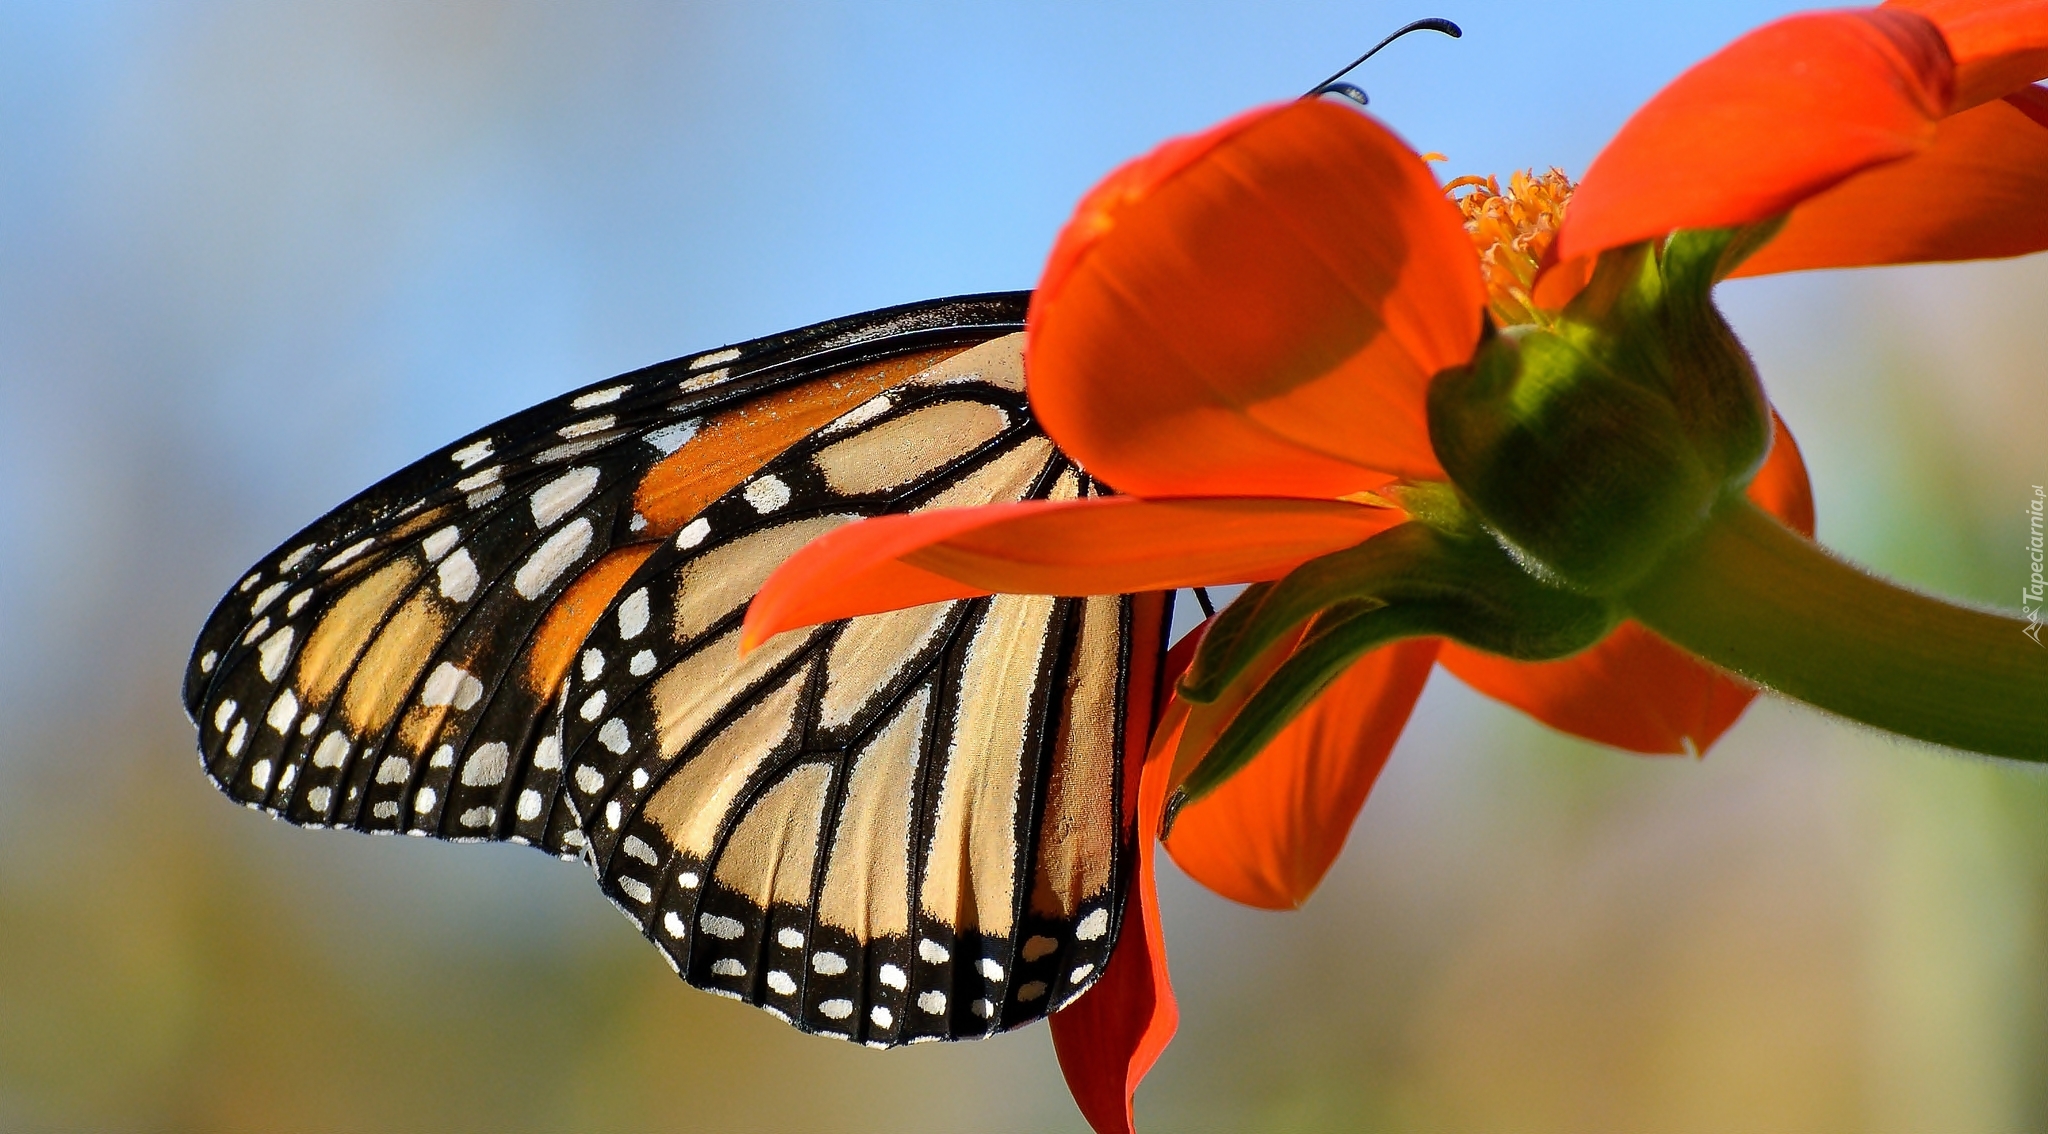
(1203, 600)
(1355, 93)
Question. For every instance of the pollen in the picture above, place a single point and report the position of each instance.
(1511, 232)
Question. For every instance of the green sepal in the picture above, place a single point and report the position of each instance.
(1340, 636)
(1441, 574)
(1443, 561)
(1600, 442)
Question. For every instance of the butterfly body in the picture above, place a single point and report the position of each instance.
(904, 827)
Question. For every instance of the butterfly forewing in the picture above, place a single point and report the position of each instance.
(904, 827)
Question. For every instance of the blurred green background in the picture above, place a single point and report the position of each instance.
(254, 256)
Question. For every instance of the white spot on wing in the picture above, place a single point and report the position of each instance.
(560, 496)
(615, 737)
(477, 480)
(588, 779)
(991, 969)
(424, 801)
(557, 555)
(585, 428)
(688, 880)
(394, 770)
(347, 553)
(486, 766)
(863, 413)
(266, 596)
(636, 847)
(441, 542)
(715, 358)
(593, 664)
(673, 922)
(593, 705)
(458, 576)
(319, 798)
(636, 890)
(298, 556)
(223, 713)
(766, 494)
(547, 755)
(781, 982)
(789, 937)
(600, 397)
(443, 757)
(283, 711)
(642, 664)
(529, 805)
(614, 815)
(332, 751)
(1093, 926)
(207, 661)
(472, 453)
(1080, 973)
(571, 449)
(633, 614)
(669, 438)
(387, 809)
(933, 952)
(271, 655)
(894, 977)
(828, 964)
(983, 1008)
(933, 1002)
(259, 775)
(478, 817)
(836, 1009)
(726, 966)
(450, 684)
(881, 1016)
(723, 928)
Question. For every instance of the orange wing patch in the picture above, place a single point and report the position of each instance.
(729, 447)
(568, 622)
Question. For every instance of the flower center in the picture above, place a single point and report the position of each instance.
(1511, 231)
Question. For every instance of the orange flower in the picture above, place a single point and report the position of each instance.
(1238, 333)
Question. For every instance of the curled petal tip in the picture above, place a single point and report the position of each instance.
(750, 638)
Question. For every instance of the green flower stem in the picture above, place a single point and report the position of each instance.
(1756, 598)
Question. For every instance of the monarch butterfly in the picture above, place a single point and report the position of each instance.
(908, 827)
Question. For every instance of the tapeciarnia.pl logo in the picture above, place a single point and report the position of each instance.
(2036, 590)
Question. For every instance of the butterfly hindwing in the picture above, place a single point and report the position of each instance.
(904, 827)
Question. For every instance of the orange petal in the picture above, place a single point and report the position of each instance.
(1997, 47)
(1110, 1036)
(1256, 311)
(1268, 835)
(1101, 545)
(1634, 690)
(1976, 193)
(1772, 119)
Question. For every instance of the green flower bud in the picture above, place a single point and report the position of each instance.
(1598, 444)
